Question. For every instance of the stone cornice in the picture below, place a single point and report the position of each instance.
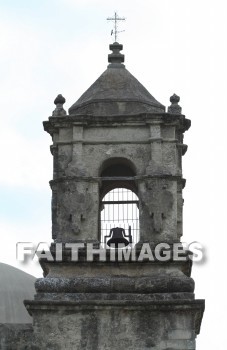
(54, 123)
(196, 306)
(122, 178)
(115, 142)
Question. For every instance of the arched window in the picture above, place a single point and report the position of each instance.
(119, 206)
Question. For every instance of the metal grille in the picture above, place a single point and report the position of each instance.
(120, 208)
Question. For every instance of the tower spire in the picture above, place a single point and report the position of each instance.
(115, 19)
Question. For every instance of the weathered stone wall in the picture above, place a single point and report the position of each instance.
(17, 337)
(75, 210)
(158, 210)
(121, 325)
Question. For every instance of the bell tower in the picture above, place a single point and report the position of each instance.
(117, 136)
(117, 188)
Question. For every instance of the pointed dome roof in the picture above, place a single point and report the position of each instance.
(116, 92)
(15, 287)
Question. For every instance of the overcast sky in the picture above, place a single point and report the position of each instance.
(170, 46)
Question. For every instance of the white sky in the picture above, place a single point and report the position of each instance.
(178, 46)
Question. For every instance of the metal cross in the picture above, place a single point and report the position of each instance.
(115, 19)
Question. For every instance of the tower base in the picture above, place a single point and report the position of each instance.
(116, 324)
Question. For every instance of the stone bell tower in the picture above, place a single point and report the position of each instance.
(117, 165)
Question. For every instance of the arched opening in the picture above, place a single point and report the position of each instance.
(124, 166)
(119, 205)
(120, 208)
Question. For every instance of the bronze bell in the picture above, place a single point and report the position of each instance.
(119, 237)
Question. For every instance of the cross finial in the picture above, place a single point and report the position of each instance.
(115, 31)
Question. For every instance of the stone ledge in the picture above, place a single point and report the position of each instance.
(162, 305)
(114, 296)
(54, 123)
(114, 284)
(157, 175)
(195, 307)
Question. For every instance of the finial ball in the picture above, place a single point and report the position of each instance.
(174, 98)
(59, 100)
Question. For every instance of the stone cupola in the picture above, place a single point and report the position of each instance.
(116, 92)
